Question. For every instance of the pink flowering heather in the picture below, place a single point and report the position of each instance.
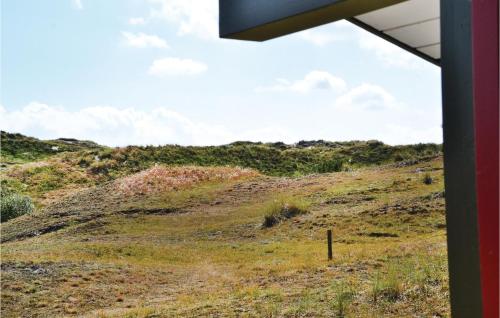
(160, 178)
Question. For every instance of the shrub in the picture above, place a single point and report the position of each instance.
(344, 295)
(284, 208)
(428, 179)
(332, 165)
(388, 287)
(101, 167)
(14, 205)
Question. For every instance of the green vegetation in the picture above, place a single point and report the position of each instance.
(283, 208)
(33, 167)
(427, 179)
(275, 159)
(133, 232)
(344, 295)
(18, 148)
(14, 205)
(332, 165)
(388, 287)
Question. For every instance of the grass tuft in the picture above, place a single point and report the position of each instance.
(387, 287)
(428, 179)
(344, 295)
(283, 208)
(14, 205)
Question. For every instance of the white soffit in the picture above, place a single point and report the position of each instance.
(414, 23)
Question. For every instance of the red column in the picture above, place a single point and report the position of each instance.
(485, 28)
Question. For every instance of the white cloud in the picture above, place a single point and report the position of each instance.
(361, 112)
(127, 126)
(171, 66)
(269, 134)
(119, 127)
(192, 17)
(324, 35)
(142, 40)
(78, 4)
(136, 21)
(319, 38)
(387, 52)
(312, 81)
(369, 111)
(367, 97)
(398, 134)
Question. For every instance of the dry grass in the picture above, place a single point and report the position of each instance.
(161, 178)
(283, 208)
(213, 258)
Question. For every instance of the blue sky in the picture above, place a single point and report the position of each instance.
(125, 72)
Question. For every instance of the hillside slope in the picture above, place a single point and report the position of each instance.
(38, 170)
(17, 148)
(192, 244)
(276, 159)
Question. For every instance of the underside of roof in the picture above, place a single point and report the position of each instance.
(414, 25)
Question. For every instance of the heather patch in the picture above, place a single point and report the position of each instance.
(161, 178)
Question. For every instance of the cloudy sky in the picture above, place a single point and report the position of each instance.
(125, 72)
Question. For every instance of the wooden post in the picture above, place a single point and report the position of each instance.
(329, 238)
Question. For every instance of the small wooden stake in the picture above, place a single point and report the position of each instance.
(329, 237)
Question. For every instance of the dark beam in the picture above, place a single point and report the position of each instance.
(459, 159)
(260, 20)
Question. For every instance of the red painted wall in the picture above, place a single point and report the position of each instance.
(485, 16)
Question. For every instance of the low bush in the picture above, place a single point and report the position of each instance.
(333, 165)
(276, 159)
(14, 205)
(427, 179)
(284, 208)
(388, 287)
(344, 295)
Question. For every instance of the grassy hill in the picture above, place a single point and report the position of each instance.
(277, 159)
(46, 173)
(17, 148)
(198, 248)
(177, 231)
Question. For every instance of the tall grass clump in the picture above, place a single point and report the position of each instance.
(283, 208)
(332, 165)
(427, 179)
(14, 205)
(344, 295)
(388, 286)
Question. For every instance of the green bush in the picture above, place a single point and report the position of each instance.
(284, 208)
(344, 295)
(276, 159)
(333, 165)
(388, 287)
(14, 205)
(428, 179)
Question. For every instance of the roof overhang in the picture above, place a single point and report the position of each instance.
(411, 24)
